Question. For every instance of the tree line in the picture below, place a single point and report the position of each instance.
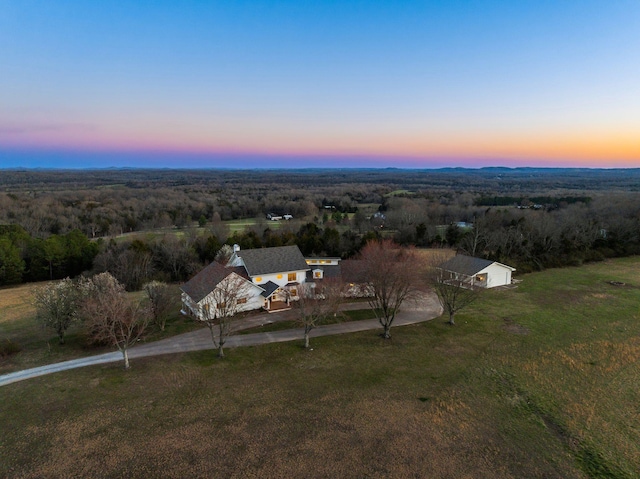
(49, 217)
(24, 258)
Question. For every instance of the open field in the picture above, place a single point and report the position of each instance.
(233, 225)
(539, 381)
(400, 193)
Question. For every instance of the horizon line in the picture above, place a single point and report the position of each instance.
(313, 168)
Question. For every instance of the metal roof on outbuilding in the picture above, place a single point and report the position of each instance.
(469, 265)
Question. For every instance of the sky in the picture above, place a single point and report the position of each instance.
(280, 84)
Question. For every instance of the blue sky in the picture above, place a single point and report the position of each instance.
(411, 84)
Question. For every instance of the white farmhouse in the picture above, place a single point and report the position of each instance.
(267, 278)
(477, 272)
(201, 294)
(277, 270)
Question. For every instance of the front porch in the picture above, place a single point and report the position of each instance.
(278, 306)
(278, 298)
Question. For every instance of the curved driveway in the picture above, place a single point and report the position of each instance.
(423, 308)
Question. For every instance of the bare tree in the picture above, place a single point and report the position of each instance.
(473, 242)
(110, 317)
(224, 254)
(178, 259)
(317, 304)
(454, 291)
(221, 307)
(161, 302)
(56, 305)
(391, 273)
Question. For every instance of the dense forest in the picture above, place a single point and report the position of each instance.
(166, 224)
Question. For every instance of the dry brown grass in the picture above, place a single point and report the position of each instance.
(435, 255)
(16, 303)
(215, 423)
(474, 401)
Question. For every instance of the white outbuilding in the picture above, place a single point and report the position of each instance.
(481, 273)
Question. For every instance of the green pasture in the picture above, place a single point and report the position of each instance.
(234, 226)
(400, 193)
(540, 381)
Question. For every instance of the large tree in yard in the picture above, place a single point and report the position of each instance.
(111, 318)
(221, 307)
(390, 272)
(317, 304)
(453, 291)
(161, 302)
(56, 305)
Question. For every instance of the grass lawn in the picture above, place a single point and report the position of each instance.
(353, 315)
(538, 382)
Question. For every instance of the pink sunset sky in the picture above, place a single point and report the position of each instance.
(281, 84)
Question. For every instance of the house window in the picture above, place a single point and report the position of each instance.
(221, 305)
(481, 278)
(242, 300)
(292, 277)
(293, 292)
(317, 274)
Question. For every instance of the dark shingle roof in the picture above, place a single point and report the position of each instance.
(328, 271)
(269, 287)
(206, 280)
(240, 271)
(273, 260)
(467, 265)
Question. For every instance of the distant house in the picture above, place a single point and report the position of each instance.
(269, 278)
(477, 272)
(274, 217)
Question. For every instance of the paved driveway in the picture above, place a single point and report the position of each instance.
(423, 308)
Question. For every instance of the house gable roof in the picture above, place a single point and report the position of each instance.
(468, 265)
(206, 280)
(272, 260)
(269, 287)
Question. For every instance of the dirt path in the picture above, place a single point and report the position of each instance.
(423, 308)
